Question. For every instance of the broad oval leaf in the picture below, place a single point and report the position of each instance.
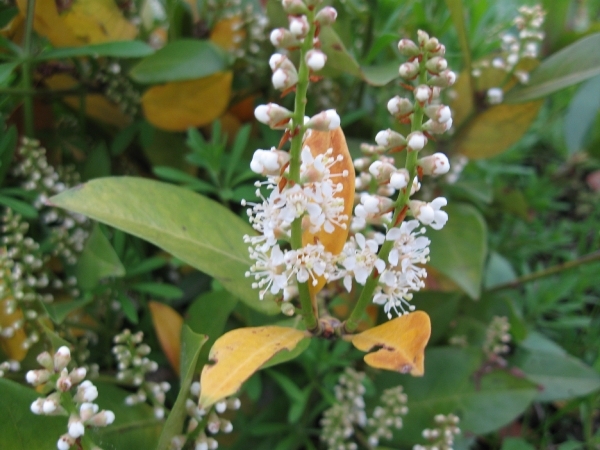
(319, 142)
(179, 105)
(399, 344)
(185, 59)
(190, 226)
(571, 65)
(240, 353)
(167, 324)
(459, 249)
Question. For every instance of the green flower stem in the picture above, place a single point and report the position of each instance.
(308, 312)
(27, 68)
(366, 296)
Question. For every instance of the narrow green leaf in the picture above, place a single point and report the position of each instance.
(582, 114)
(380, 43)
(571, 65)
(147, 265)
(459, 249)
(239, 145)
(191, 227)
(19, 206)
(185, 59)
(124, 138)
(128, 308)
(8, 145)
(158, 290)
(6, 70)
(97, 261)
(119, 49)
(59, 311)
(191, 344)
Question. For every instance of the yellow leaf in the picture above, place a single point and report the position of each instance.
(228, 33)
(238, 354)
(179, 105)
(96, 105)
(399, 343)
(167, 324)
(319, 142)
(12, 346)
(48, 23)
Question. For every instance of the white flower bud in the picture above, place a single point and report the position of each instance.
(159, 413)
(408, 47)
(409, 70)
(37, 407)
(65, 442)
(282, 38)
(399, 179)
(436, 64)
(446, 78)
(78, 374)
(440, 51)
(436, 127)
(284, 79)
(269, 162)
(416, 141)
(62, 357)
(495, 96)
(76, 427)
(381, 170)
(45, 360)
(422, 93)
(439, 113)
(86, 392)
(51, 404)
(399, 106)
(326, 16)
(436, 164)
(294, 6)
(279, 61)
(389, 138)
(324, 121)
(221, 407)
(422, 37)
(64, 382)
(87, 410)
(102, 419)
(226, 426)
(298, 26)
(233, 403)
(315, 59)
(273, 115)
(37, 377)
(195, 389)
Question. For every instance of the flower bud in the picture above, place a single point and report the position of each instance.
(221, 407)
(315, 59)
(399, 106)
(282, 38)
(86, 392)
(432, 44)
(195, 389)
(326, 16)
(64, 382)
(87, 410)
(46, 361)
(436, 164)
(103, 418)
(51, 403)
(495, 96)
(78, 374)
(430, 213)
(76, 427)
(374, 204)
(37, 407)
(288, 309)
(409, 70)
(445, 79)
(284, 79)
(408, 47)
(279, 61)
(273, 115)
(422, 37)
(269, 162)
(62, 357)
(440, 51)
(381, 170)
(37, 377)
(436, 64)
(416, 141)
(399, 179)
(65, 442)
(294, 6)
(436, 127)
(233, 403)
(439, 113)
(298, 26)
(324, 121)
(389, 138)
(422, 93)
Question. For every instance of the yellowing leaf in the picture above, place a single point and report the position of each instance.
(12, 346)
(240, 353)
(228, 33)
(399, 343)
(167, 324)
(319, 142)
(179, 105)
(97, 106)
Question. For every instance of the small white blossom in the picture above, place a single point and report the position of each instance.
(430, 213)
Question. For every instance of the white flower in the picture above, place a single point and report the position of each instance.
(298, 26)
(270, 270)
(436, 164)
(399, 179)
(416, 141)
(273, 115)
(324, 121)
(422, 93)
(269, 162)
(315, 59)
(310, 263)
(360, 256)
(495, 96)
(430, 213)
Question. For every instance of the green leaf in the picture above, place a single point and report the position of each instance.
(208, 315)
(516, 444)
(55, 340)
(124, 138)
(448, 387)
(135, 426)
(441, 308)
(119, 49)
(19, 428)
(380, 43)
(582, 114)
(8, 145)
(97, 261)
(7, 13)
(6, 70)
(161, 290)
(380, 75)
(19, 206)
(191, 344)
(185, 59)
(571, 65)
(560, 375)
(128, 308)
(498, 271)
(147, 265)
(459, 249)
(97, 163)
(59, 311)
(191, 227)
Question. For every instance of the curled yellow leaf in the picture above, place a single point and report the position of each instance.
(399, 344)
(238, 354)
(179, 105)
(319, 142)
(167, 324)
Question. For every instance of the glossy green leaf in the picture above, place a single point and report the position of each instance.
(135, 426)
(449, 387)
(459, 249)
(191, 344)
(380, 75)
(185, 59)
(582, 114)
(97, 261)
(560, 375)
(119, 49)
(208, 315)
(185, 224)
(19, 428)
(19, 206)
(571, 65)
(498, 271)
(161, 290)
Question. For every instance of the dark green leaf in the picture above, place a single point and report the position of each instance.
(124, 138)
(147, 265)
(516, 444)
(19, 206)
(191, 344)
(128, 308)
(582, 114)
(498, 271)
(58, 311)
(8, 145)
(97, 261)
(97, 163)
(7, 14)
(184, 59)
(239, 145)
(158, 290)
(380, 43)
(6, 70)
(119, 49)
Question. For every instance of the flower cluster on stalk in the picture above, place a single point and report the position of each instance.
(441, 437)
(69, 395)
(497, 338)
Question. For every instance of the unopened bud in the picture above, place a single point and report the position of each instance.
(273, 115)
(435, 127)
(495, 96)
(51, 403)
(399, 106)
(324, 121)
(221, 407)
(282, 38)
(436, 164)
(288, 309)
(315, 59)
(76, 427)
(102, 419)
(62, 357)
(381, 170)
(269, 162)
(87, 410)
(294, 6)
(78, 374)
(416, 141)
(422, 37)
(399, 179)
(439, 113)
(65, 442)
(408, 47)
(64, 382)
(409, 70)
(436, 64)
(45, 360)
(326, 16)
(440, 51)
(422, 93)
(446, 78)
(389, 138)
(37, 377)
(279, 61)
(284, 79)
(37, 407)
(299, 26)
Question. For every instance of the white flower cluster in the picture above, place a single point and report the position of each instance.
(9, 366)
(524, 44)
(442, 436)
(133, 364)
(387, 415)
(214, 423)
(497, 337)
(78, 406)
